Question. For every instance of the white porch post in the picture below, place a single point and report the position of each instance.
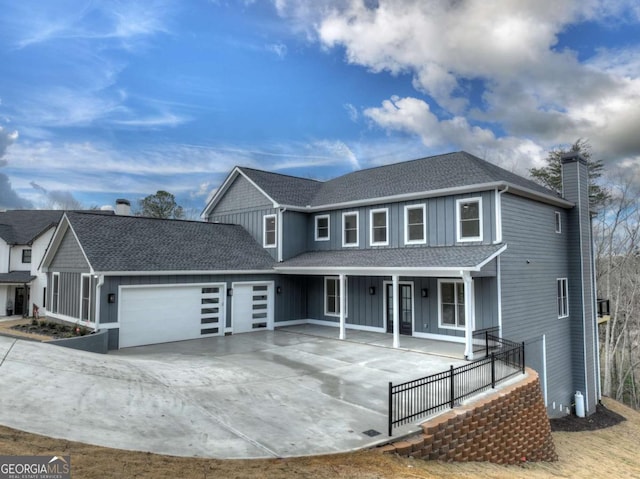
(343, 303)
(469, 314)
(396, 307)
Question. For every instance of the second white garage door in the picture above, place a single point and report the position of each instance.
(165, 313)
(252, 307)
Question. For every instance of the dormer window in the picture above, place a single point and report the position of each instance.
(469, 219)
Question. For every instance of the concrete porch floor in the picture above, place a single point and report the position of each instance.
(447, 349)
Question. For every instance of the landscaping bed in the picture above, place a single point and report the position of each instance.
(49, 329)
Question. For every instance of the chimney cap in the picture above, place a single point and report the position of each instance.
(122, 201)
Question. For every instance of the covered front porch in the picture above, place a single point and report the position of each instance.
(14, 293)
(417, 297)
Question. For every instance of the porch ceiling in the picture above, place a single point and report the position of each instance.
(427, 261)
(16, 277)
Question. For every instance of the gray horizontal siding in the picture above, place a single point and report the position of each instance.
(69, 256)
(535, 258)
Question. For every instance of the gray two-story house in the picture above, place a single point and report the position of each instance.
(436, 248)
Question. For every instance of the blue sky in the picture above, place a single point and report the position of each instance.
(102, 100)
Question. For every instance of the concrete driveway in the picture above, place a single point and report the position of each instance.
(263, 394)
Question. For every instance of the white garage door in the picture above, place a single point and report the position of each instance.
(252, 307)
(160, 314)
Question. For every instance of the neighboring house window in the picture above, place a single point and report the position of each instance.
(563, 298)
(332, 296)
(379, 233)
(55, 289)
(469, 215)
(451, 299)
(26, 256)
(415, 225)
(44, 297)
(350, 229)
(558, 222)
(269, 237)
(86, 295)
(322, 228)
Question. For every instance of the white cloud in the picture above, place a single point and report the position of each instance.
(352, 111)
(279, 49)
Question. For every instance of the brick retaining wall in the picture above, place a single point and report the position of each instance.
(509, 426)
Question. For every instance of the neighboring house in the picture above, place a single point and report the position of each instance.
(24, 237)
(436, 248)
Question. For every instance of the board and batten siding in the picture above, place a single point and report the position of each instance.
(241, 196)
(535, 258)
(294, 233)
(441, 223)
(252, 221)
(69, 256)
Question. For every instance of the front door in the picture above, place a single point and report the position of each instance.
(405, 307)
(20, 301)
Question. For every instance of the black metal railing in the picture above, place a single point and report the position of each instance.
(481, 341)
(413, 399)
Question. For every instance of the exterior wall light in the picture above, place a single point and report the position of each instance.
(372, 290)
(425, 292)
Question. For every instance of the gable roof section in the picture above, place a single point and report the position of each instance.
(135, 244)
(438, 174)
(24, 226)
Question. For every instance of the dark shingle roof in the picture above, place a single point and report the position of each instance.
(427, 257)
(16, 277)
(452, 170)
(284, 189)
(129, 243)
(23, 226)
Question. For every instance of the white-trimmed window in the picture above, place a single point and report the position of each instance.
(332, 296)
(451, 314)
(469, 219)
(563, 298)
(323, 230)
(26, 256)
(55, 292)
(379, 227)
(415, 224)
(350, 229)
(558, 217)
(86, 295)
(270, 231)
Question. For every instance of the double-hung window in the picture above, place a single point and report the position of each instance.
(415, 225)
(469, 219)
(451, 299)
(558, 222)
(379, 233)
(332, 296)
(26, 256)
(322, 228)
(55, 292)
(350, 229)
(270, 231)
(563, 298)
(86, 294)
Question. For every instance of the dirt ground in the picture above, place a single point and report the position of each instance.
(608, 452)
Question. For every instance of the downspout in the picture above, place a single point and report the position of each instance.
(499, 194)
(498, 259)
(98, 291)
(280, 227)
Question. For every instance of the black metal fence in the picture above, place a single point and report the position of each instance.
(481, 342)
(413, 399)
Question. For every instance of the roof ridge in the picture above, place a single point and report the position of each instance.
(279, 174)
(91, 213)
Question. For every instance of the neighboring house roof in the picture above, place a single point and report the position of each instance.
(432, 174)
(455, 258)
(24, 226)
(130, 244)
(16, 277)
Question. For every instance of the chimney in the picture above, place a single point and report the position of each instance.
(123, 207)
(584, 335)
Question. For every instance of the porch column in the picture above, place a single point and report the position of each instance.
(469, 314)
(396, 308)
(343, 303)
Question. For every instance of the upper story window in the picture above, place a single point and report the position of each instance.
(415, 225)
(451, 299)
(379, 234)
(269, 233)
(469, 219)
(558, 222)
(26, 256)
(350, 229)
(563, 298)
(322, 228)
